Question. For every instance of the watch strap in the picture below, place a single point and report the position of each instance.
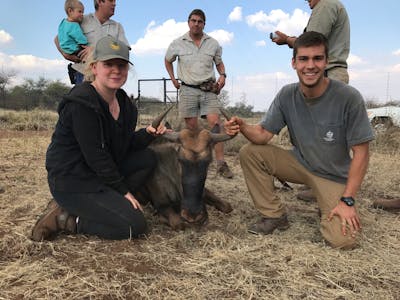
(348, 200)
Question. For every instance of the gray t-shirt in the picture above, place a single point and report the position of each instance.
(330, 18)
(322, 130)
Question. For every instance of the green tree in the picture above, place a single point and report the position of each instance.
(18, 98)
(34, 90)
(41, 93)
(5, 79)
(53, 94)
(241, 108)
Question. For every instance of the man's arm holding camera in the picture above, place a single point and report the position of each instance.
(281, 38)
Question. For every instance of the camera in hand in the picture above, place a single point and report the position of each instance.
(273, 35)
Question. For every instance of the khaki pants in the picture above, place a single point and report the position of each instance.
(260, 163)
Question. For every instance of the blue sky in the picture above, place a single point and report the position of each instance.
(256, 67)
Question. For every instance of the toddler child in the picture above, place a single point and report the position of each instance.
(70, 34)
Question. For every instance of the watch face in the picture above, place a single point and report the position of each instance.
(348, 200)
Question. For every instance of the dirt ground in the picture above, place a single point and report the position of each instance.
(219, 261)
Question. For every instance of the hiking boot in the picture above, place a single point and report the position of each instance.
(268, 225)
(54, 220)
(223, 170)
(307, 195)
(387, 204)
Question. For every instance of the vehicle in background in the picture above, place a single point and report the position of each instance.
(384, 117)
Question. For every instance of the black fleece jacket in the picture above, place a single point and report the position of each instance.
(84, 153)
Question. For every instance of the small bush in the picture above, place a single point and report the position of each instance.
(36, 119)
(387, 141)
(233, 146)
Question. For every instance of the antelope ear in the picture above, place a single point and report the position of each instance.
(167, 125)
(156, 122)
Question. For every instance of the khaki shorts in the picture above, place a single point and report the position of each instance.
(195, 102)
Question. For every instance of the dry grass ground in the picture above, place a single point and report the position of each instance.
(220, 261)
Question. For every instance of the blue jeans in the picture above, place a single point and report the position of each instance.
(74, 76)
(106, 213)
(79, 77)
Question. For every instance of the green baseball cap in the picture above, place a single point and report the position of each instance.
(109, 47)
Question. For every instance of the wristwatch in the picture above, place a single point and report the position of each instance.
(348, 200)
(223, 74)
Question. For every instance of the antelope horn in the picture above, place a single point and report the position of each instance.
(225, 113)
(220, 137)
(217, 136)
(156, 122)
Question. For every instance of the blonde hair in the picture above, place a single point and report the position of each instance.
(71, 4)
(87, 72)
